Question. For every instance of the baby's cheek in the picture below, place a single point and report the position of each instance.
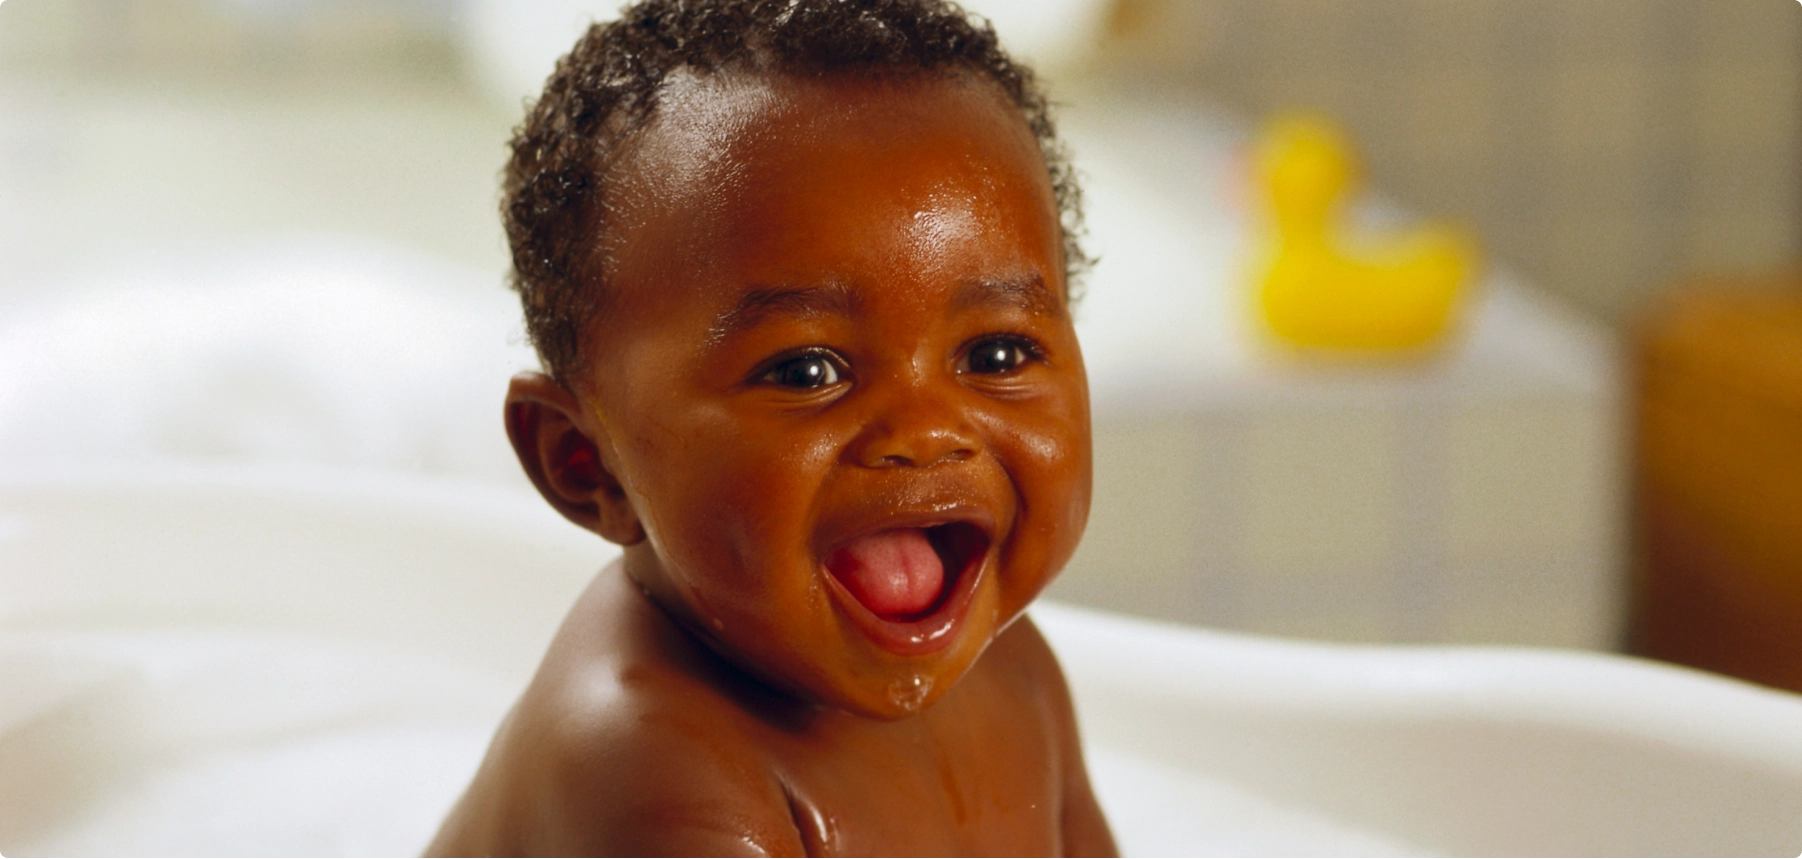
(1047, 453)
(1061, 497)
(1046, 446)
(744, 504)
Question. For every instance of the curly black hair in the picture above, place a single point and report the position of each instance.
(607, 88)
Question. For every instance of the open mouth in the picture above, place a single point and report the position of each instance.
(907, 575)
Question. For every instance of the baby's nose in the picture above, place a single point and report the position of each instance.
(914, 432)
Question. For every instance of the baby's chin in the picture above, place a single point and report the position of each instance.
(840, 668)
(884, 687)
(896, 692)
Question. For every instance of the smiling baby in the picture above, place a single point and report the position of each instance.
(799, 274)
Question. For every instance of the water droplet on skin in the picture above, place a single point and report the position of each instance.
(909, 693)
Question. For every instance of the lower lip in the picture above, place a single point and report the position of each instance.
(917, 636)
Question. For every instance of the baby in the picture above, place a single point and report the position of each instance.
(798, 270)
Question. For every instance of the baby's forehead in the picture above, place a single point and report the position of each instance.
(699, 121)
(759, 163)
(707, 129)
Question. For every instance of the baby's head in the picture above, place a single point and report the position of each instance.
(799, 271)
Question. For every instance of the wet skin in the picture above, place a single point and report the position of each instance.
(836, 309)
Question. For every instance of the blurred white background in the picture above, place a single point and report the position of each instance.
(266, 229)
(269, 575)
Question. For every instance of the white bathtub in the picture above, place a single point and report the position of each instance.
(285, 660)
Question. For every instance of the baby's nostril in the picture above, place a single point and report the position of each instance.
(897, 460)
(919, 441)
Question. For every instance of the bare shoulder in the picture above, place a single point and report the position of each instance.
(622, 745)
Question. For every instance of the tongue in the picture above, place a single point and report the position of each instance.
(892, 572)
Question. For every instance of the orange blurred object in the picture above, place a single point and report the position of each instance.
(1718, 583)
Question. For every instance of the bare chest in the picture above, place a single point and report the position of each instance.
(967, 779)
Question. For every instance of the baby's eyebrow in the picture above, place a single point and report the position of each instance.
(1027, 293)
(833, 299)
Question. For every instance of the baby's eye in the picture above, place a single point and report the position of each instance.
(805, 371)
(999, 355)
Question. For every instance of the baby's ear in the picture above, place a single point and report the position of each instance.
(556, 440)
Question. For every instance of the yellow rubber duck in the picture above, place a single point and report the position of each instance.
(1327, 290)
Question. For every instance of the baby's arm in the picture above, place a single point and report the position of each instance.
(1085, 829)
